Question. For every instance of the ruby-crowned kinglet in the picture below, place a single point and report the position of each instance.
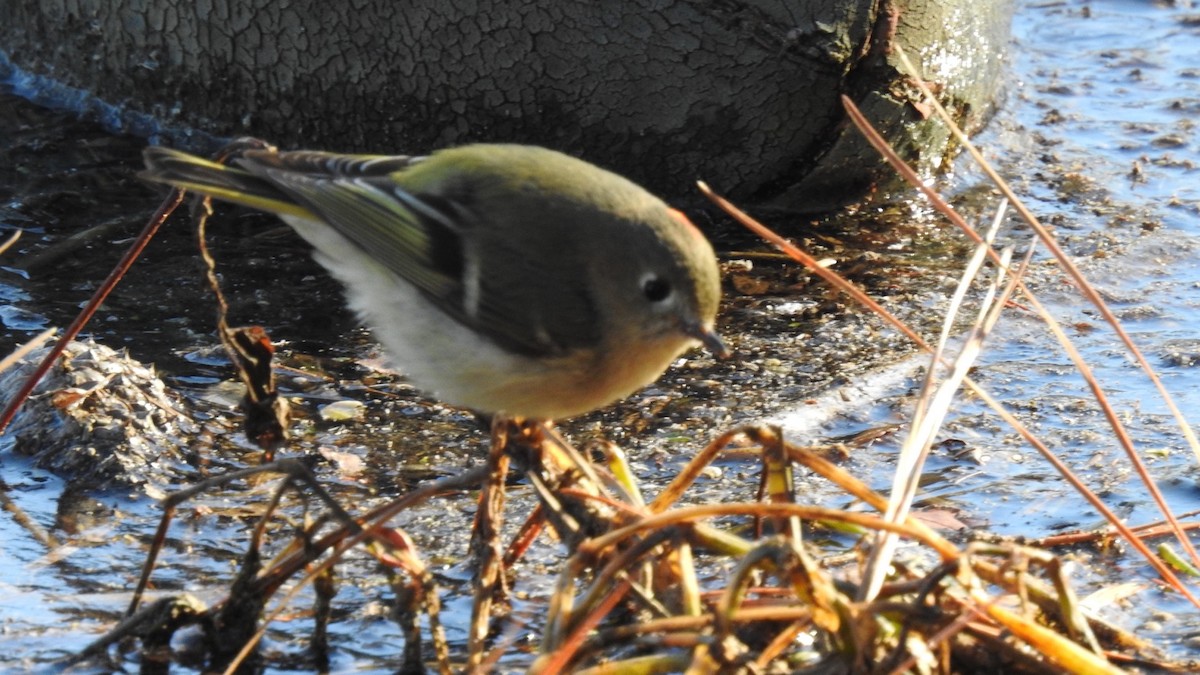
(502, 278)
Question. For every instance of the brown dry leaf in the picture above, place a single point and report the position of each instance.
(65, 399)
(748, 285)
(941, 519)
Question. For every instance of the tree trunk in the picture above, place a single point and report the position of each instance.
(741, 93)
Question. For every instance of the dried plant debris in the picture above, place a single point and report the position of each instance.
(98, 417)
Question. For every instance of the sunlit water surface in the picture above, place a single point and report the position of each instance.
(1097, 130)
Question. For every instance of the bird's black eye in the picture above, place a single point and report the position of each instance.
(656, 289)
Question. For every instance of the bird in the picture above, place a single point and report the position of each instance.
(502, 278)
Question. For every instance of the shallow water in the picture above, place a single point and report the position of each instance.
(1099, 132)
(1098, 129)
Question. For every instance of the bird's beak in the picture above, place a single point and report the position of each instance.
(709, 338)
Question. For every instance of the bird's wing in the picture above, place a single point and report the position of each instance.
(433, 243)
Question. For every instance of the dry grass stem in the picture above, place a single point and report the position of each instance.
(1163, 570)
(933, 403)
(1093, 296)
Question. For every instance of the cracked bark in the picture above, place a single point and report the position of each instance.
(741, 93)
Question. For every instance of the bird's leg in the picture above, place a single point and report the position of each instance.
(485, 540)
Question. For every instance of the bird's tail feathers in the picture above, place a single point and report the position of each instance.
(220, 181)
